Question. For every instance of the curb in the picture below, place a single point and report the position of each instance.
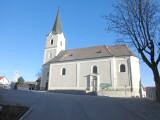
(27, 113)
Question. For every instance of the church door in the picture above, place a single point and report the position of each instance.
(94, 83)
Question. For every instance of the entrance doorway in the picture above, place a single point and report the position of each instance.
(92, 84)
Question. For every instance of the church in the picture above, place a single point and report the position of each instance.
(111, 69)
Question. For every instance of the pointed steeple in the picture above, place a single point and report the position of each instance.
(57, 28)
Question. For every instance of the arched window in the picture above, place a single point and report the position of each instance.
(122, 68)
(94, 70)
(63, 71)
(52, 42)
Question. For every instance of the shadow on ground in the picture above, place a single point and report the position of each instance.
(74, 92)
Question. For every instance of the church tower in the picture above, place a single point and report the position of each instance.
(55, 42)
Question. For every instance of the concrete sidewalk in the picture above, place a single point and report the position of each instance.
(54, 106)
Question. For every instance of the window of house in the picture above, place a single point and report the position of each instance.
(94, 70)
(61, 43)
(122, 68)
(63, 71)
(52, 42)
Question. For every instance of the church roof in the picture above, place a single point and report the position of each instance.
(57, 28)
(92, 52)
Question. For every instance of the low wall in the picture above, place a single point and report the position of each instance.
(118, 93)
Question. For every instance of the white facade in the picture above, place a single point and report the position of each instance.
(54, 44)
(4, 82)
(102, 69)
(108, 75)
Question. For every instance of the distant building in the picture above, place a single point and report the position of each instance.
(151, 93)
(4, 82)
(26, 86)
(97, 68)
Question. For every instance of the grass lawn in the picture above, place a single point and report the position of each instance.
(10, 112)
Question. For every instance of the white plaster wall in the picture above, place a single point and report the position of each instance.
(47, 52)
(60, 47)
(59, 81)
(49, 38)
(76, 73)
(4, 81)
(104, 72)
(108, 72)
(135, 72)
(123, 79)
(54, 48)
(51, 50)
(44, 77)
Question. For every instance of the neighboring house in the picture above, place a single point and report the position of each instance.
(98, 68)
(26, 86)
(4, 82)
(151, 93)
(143, 91)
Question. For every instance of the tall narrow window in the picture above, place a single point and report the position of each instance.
(94, 70)
(61, 43)
(122, 68)
(63, 71)
(52, 42)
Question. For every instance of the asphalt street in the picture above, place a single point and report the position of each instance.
(54, 106)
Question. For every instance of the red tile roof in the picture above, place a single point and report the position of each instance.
(1, 77)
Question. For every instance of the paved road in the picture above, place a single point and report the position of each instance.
(52, 106)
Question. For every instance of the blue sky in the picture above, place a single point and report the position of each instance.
(24, 25)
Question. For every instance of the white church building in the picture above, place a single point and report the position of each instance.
(98, 68)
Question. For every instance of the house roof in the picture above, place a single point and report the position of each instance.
(1, 77)
(92, 52)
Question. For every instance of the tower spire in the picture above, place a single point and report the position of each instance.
(57, 28)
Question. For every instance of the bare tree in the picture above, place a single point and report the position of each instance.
(138, 21)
